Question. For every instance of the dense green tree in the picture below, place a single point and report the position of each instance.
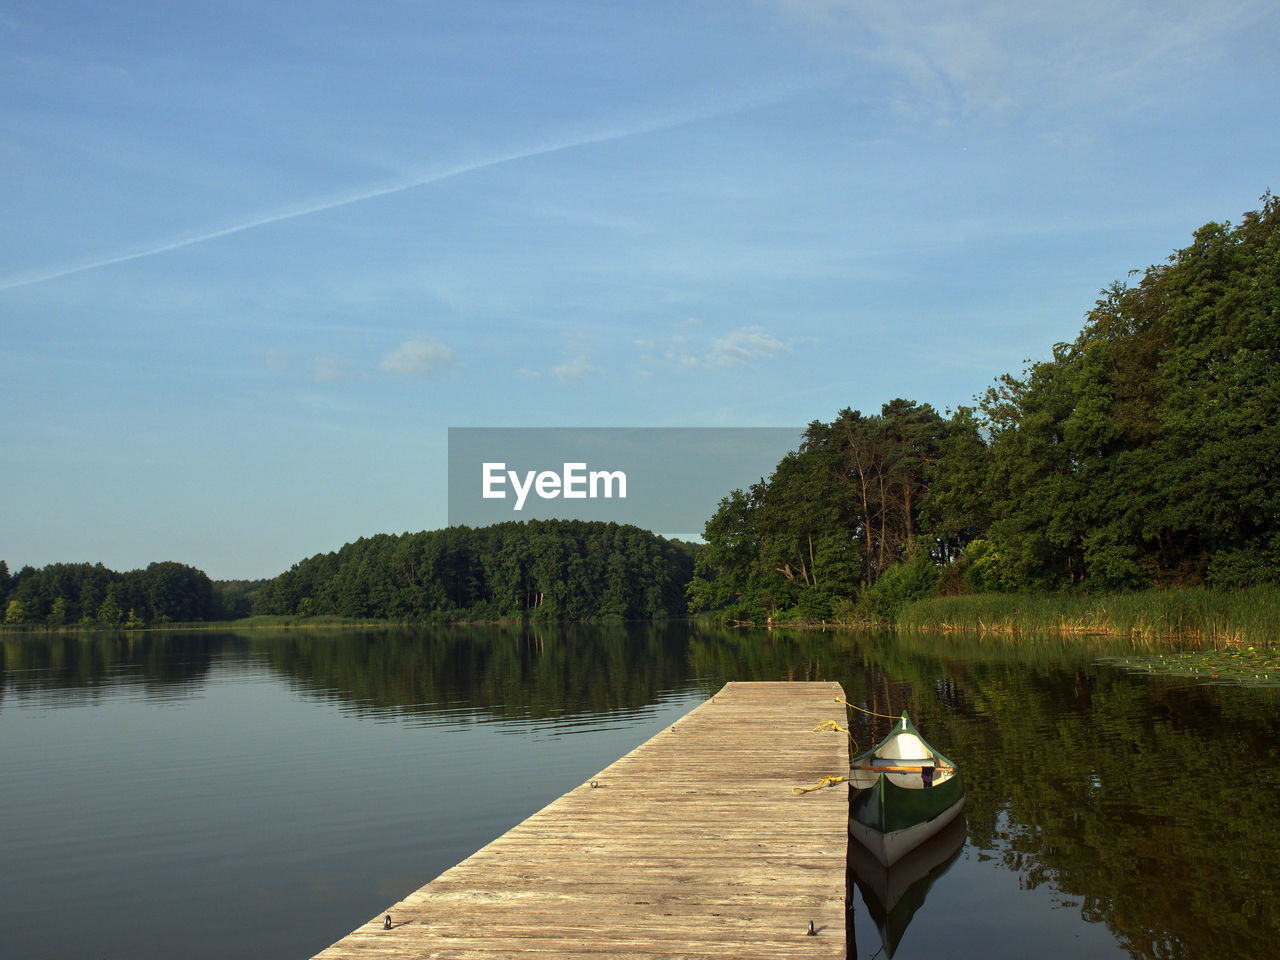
(915, 578)
(956, 507)
(543, 570)
(175, 591)
(110, 613)
(1145, 451)
(887, 461)
(830, 519)
(60, 613)
(65, 593)
(726, 577)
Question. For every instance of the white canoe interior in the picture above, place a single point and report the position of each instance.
(905, 750)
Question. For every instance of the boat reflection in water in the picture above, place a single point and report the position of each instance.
(893, 894)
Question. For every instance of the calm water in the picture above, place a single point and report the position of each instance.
(262, 794)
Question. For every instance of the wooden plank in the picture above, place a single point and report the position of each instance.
(693, 845)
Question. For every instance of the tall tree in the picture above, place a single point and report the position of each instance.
(1146, 450)
(956, 506)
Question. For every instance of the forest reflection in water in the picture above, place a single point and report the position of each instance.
(1134, 813)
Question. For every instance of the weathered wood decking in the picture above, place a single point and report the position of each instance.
(692, 845)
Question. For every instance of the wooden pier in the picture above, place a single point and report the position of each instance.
(692, 845)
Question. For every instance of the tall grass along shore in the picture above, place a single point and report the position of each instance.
(1246, 616)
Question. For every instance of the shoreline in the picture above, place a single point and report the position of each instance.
(1193, 615)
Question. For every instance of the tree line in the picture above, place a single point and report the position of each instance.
(542, 569)
(1143, 453)
(82, 593)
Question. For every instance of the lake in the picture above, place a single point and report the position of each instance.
(261, 794)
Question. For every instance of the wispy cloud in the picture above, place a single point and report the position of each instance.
(740, 347)
(420, 358)
(274, 359)
(1001, 54)
(335, 368)
(636, 128)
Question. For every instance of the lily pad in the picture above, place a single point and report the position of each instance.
(1245, 666)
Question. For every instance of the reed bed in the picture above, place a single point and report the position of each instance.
(1218, 617)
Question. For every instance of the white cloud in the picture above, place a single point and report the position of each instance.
(687, 360)
(419, 358)
(742, 346)
(576, 369)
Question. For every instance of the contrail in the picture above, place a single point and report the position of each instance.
(371, 193)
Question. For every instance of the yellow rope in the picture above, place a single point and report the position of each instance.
(833, 726)
(883, 716)
(836, 728)
(824, 782)
(830, 725)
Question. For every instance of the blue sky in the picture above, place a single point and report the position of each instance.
(257, 257)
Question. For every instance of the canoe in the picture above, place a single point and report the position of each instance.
(902, 792)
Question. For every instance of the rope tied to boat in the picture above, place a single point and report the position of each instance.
(883, 716)
(832, 725)
(824, 782)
